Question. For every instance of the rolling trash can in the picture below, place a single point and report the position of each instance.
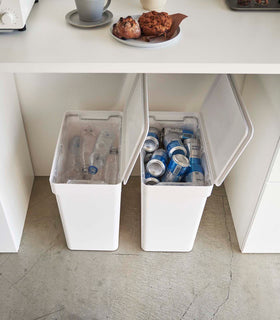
(95, 154)
(171, 211)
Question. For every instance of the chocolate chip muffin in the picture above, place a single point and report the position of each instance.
(155, 23)
(127, 28)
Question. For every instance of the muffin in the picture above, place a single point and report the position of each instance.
(155, 23)
(127, 28)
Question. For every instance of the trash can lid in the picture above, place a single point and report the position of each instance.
(226, 125)
(135, 126)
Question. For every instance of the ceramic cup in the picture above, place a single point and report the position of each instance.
(153, 4)
(91, 10)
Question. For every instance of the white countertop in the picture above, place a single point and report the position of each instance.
(214, 40)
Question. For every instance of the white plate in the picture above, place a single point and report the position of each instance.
(154, 43)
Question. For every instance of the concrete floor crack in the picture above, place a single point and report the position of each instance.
(193, 300)
(48, 314)
(53, 244)
(230, 265)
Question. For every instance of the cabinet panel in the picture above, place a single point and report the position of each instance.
(263, 233)
(16, 174)
(245, 183)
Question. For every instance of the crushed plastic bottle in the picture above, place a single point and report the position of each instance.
(74, 165)
(60, 165)
(98, 157)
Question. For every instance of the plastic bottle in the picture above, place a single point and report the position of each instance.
(88, 139)
(60, 165)
(74, 165)
(99, 155)
(112, 167)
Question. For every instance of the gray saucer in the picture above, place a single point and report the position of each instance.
(73, 18)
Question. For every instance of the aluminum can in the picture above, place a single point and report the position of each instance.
(158, 163)
(195, 161)
(195, 175)
(174, 145)
(176, 169)
(152, 141)
(183, 133)
(149, 179)
(186, 143)
(193, 147)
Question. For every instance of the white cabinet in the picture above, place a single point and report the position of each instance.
(45, 97)
(253, 185)
(16, 173)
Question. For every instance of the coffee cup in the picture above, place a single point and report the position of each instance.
(91, 10)
(153, 4)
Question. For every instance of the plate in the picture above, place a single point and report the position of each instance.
(154, 43)
(73, 18)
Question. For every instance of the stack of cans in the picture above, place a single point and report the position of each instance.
(172, 155)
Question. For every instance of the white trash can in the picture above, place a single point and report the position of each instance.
(90, 211)
(171, 212)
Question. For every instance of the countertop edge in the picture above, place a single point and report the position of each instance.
(187, 68)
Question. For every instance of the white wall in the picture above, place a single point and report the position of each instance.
(45, 97)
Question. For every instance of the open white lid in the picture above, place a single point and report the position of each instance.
(135, 125)
(227, 127)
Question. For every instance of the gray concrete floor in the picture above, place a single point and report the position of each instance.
(47, 281)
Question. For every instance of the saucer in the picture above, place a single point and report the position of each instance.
(73, 18)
